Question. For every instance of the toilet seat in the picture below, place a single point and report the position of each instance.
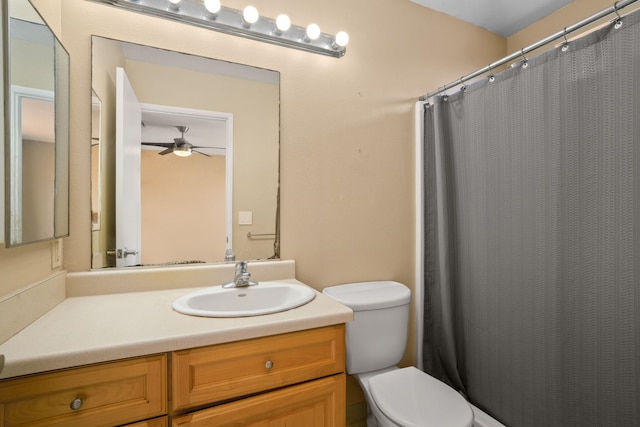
(411, 398)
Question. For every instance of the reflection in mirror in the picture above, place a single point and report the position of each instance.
(36, 128)
(95, 162)
(196, 208)
(32, 202)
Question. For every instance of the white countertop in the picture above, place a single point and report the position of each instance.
(89, 329)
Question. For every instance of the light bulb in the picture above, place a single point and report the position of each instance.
(313, 32)
(250, 15)
(174, 4)
(283, 23)
(341, 40)
(212, 6)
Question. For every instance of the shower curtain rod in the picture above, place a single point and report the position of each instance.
(617, 6)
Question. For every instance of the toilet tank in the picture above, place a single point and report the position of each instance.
(377, 336)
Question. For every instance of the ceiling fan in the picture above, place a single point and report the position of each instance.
(180, 146)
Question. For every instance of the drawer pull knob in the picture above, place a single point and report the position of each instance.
(269, 364)
(76, 403)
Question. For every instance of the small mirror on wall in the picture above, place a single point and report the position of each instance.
(36, 126)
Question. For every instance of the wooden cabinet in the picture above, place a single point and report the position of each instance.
(154, 422)
(293, 379)
(107, 394)
(319, 403)
(222, 372)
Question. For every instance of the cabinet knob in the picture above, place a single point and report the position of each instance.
(269, 364)
(76, 403)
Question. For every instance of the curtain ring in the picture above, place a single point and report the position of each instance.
(444, 96)
(492, 77)
(618, 20)
(463, 88)
(525, 61)
(565, 45)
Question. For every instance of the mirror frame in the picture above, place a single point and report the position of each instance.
(13, 143)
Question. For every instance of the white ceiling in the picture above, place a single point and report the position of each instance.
(503, 17)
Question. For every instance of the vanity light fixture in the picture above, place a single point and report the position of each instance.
(244, 23)
(250, 16)
(213, 7)
(341, 40)
(312, 33)
(283, 23)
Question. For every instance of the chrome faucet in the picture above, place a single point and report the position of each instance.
(242, 277)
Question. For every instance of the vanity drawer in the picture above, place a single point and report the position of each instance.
(225, 371)
(154, 422)
(103, 395)
(319, 403)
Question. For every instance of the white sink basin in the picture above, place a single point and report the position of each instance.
(264, 298)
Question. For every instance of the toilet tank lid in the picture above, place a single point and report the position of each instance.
(364, 296)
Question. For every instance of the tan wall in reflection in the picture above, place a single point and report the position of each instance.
(169, 231)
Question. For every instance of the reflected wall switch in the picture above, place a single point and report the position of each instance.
(56, 253)
(245, 217)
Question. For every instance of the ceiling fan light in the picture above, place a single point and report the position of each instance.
(183, 151)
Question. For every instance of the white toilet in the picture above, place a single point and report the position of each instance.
(376, 341)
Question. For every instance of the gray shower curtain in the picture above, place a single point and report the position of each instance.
(532, 236)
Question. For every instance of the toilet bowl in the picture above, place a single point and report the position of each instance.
(375, 341)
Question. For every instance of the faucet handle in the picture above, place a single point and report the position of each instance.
(242, 277)
(241, 267)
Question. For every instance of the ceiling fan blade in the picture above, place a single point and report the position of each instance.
(201, 146)
(158, 144)
(200, 152)
(167, 151)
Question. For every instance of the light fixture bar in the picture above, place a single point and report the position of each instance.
(230, 21)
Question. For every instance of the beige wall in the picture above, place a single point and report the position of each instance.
(347, 126)
(169, 231)
(38, 159)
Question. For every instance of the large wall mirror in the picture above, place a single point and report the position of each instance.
(36, 127)
(185, 158)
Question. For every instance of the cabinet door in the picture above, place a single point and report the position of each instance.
(221, 372)
(108, 394)
(319, 403)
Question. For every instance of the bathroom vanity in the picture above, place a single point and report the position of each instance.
(298, 377)
(128, 358)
